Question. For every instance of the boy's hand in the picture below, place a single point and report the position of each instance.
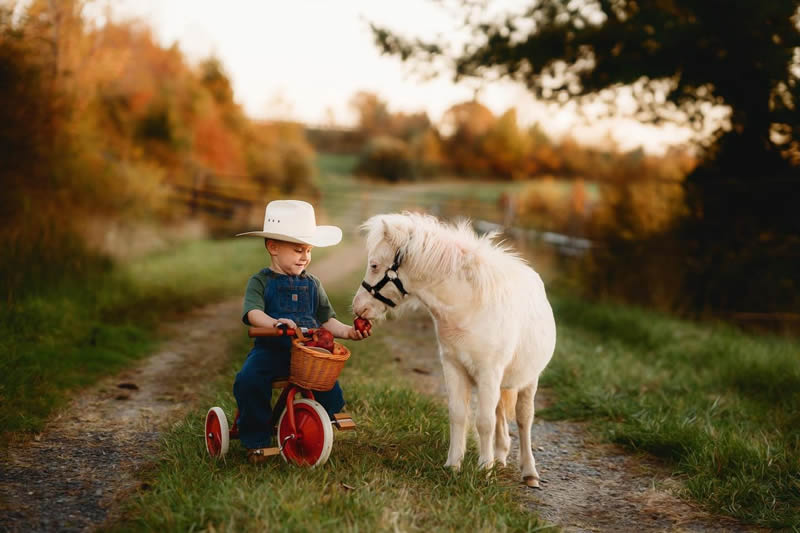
(288, 321)
(354, 334)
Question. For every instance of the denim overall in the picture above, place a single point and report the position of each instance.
(293, 297)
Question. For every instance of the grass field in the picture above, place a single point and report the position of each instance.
(720, 406)
(60, 340)
(387, 475)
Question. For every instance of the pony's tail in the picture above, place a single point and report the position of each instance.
(508, 403)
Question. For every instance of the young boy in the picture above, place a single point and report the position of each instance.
(284, 294)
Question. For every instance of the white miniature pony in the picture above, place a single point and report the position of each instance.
(494, 324)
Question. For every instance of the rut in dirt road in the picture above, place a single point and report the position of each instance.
(69, 477)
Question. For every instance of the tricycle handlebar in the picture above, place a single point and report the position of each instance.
(275, 332)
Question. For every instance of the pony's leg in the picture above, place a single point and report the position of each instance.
(459, 389)
(524, 421)
(488, 398)
(502, 439)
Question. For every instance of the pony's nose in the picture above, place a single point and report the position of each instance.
(358, 307)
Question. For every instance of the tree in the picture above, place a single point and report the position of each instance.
(374, 118)
(373, 114)
(681, 52)
(386, 157)
(213, 76)
(465, 125)
(677, 57)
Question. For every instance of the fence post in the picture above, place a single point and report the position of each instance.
(193, 201)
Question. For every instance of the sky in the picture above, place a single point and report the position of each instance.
(303, 60)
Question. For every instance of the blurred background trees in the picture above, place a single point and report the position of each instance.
(97, 126)
(737, 241)
(102, 126)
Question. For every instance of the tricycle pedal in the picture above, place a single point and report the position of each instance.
(343, 422)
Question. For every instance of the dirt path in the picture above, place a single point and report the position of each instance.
(586, 486)
(86, 458)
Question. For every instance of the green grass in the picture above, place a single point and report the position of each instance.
(336, 164)
(721, 406)
(350, 200)
(387, 475)
(59, 340)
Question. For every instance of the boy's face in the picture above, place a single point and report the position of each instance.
(289, 257)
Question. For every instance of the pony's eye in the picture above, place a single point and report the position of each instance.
(374, 267)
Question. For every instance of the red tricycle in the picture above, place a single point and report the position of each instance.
(303, 429)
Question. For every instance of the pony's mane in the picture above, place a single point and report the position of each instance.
(436, 250)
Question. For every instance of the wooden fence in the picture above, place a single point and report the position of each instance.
(214, 201)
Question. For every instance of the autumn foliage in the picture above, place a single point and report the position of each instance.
(471, 142)
(634, 194)
(102, 121)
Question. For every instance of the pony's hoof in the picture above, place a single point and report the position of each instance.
(532, 482)
(486, 465)
(455, 467)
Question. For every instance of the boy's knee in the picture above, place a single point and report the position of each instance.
(332, 400)
(246, 383)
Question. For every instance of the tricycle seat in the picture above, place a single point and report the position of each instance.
(280, 383)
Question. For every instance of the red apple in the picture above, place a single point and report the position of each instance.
(320, 338)
(362, 325)
(323, 339)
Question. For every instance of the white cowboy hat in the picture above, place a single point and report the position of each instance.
(294, 221)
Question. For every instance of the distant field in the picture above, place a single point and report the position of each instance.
(336, 164)
(351, 200)
(445, 196)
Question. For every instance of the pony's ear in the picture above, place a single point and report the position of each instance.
(388, 236)
(395, 230)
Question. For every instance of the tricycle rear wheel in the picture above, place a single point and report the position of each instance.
(217, 435)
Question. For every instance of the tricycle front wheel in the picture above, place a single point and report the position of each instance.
(312, 443)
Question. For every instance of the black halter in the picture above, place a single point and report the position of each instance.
(374, 290)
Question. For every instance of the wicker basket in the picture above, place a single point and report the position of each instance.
(316, 370)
